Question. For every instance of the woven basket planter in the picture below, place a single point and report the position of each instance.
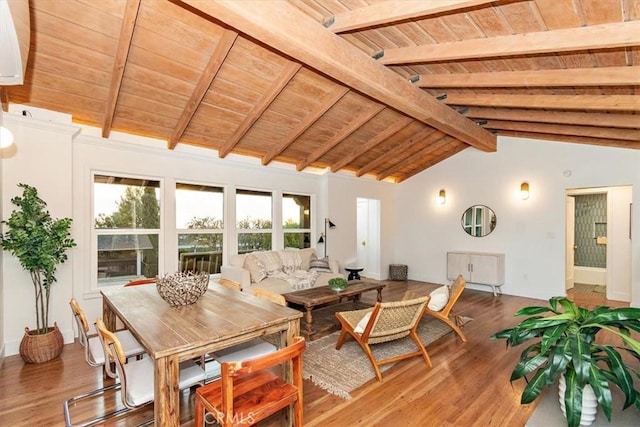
(39, 348)
(182, 288)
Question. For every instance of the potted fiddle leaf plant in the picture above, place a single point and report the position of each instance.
(40, 243)
(564, 347)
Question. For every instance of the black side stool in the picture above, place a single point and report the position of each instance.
(354, 272)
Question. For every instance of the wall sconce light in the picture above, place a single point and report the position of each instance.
(442, 197)
(524, 190)
(323, 236)
(6, 137)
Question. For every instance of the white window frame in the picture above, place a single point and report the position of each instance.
(95, 232)
(212, 231)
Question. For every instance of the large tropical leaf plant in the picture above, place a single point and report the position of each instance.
(565, 343)
(40, 244)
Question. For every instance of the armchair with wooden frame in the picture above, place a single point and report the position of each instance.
(447, 315)
(386, 321)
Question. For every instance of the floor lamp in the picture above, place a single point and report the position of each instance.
(323, 236)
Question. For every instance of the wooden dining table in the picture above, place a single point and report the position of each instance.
(220, 318)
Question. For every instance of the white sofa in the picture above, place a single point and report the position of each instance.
(280, 271)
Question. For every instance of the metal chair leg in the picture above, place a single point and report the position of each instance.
(67, 414)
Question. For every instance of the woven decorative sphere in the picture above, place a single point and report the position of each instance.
(182, 288)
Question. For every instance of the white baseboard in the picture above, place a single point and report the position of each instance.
(13, 347)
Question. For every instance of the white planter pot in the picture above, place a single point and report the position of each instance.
(589, 402)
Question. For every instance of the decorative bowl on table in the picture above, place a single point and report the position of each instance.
(182, 288)
(337, 284)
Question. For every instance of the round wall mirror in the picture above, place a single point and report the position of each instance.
(478, 220)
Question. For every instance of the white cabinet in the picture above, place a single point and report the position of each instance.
(477, 267)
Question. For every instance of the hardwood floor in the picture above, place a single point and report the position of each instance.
(468, 384)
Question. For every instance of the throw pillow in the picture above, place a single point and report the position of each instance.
(255, 267)
(439, 298)
(321, 265)
(362, 323)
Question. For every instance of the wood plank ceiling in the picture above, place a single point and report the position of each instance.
(379, 88)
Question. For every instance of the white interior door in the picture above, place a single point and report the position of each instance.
(362, 236)
(570, 240)
(368, 237)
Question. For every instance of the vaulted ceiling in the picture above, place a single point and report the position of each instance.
(384, 88)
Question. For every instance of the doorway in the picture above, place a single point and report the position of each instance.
(598, 244)
(368, 237)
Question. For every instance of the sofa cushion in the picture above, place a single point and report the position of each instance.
(439, 298)
(291, 261)
(256, 267)
(271, 261)
(321, 265)
(305, 256)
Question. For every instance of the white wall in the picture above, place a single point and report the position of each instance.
(342, 208)
(42, 158)
(530, 232)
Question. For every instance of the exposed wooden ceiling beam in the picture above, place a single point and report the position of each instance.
(327, 102)
(567, 117)
(558, 129)
(449, 153)
(354, 125)
(209, 73)
(606, 76)
(120, 61)
(414, 152)
(572, 138)
(399, 153)
(604, 36)
(288, 72)
(372, 143)
(389, 12)
(283, 27)
(569, 102)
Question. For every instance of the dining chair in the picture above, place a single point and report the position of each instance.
(95, 356)
(446, 314)
(269, 296)
(137, 282)
(228, 283)
(248, 391)
(385, 322)
(257, 346)
(136, 377)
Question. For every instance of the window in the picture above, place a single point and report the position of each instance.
(200, 226)
(126, 228)
(254, 220)
(296, 220)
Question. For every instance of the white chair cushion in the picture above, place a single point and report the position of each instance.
(140, 379)
(130, 345)
(439, 298)
(362, 323)
(244, 351)
(96, 350)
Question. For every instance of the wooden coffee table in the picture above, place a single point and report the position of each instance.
(324, 302)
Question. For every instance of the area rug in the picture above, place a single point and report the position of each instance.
(341, 371)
